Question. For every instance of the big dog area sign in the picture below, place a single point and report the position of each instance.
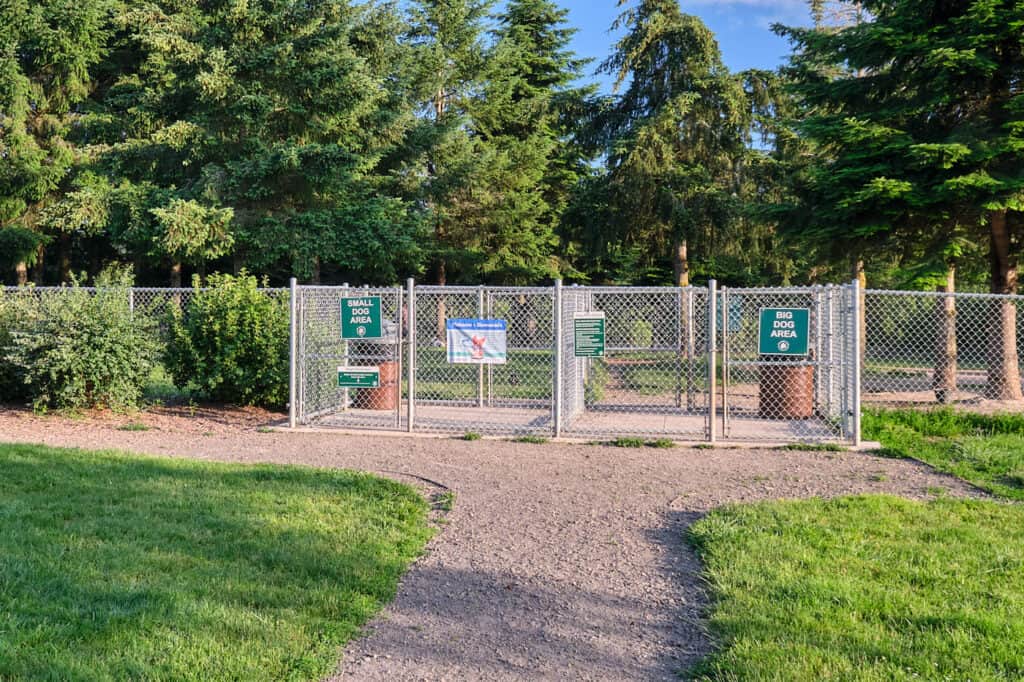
(784, 331)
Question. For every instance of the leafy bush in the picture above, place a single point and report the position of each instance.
(80, 349)
(641, 334)
(597, 382)
(231, 343)
(18, 312)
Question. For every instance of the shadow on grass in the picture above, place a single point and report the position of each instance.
(122, 567)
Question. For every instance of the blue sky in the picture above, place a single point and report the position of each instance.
(742, 28)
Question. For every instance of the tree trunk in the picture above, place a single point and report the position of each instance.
(442, 307)
(176, 274)
(1003, 365)
(944, 381)
(38, 269)
(681, 264)
(22, 271)
(862, 324)
(315, 279)
(65, 257)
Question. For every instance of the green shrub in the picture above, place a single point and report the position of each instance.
(641, 334)
(80, 349)
(231, 343)
(597, 382)
(18, 311)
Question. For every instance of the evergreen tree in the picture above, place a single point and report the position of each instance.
(675, 134)
(47, 50)
(260, 130)
(916, 115)
(447, 37)
(526, 114)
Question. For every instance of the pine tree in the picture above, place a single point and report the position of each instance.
(675, 134)
(261, 130)
(917, 124)
(47, 51)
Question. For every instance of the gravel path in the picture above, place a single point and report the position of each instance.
(558, 561)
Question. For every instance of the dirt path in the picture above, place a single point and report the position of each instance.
(558, 561)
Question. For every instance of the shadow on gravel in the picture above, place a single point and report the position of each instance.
(495, 626)
(679, 563)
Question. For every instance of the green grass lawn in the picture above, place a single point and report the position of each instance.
(865, 588)
(116, 567)
(985, 450)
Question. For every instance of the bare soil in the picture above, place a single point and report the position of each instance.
(558, 560)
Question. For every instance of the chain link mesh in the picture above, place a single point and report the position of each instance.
(651, 380)
(927, 349)
(321, 402)
(769, 397)
(511, 398)
(921, 349)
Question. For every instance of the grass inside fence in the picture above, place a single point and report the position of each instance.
(121, 567)
(987, 450)
(866, 588)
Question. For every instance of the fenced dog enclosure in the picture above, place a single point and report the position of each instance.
(694, 363)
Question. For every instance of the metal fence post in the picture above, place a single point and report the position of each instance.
(344, 354)
(292, 348)
(556, 404)
(855, 366)
(480, 368)
(410, 313)
(712, 360)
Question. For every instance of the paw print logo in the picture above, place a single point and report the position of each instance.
(783, 346)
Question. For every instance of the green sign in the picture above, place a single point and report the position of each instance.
(588, 335)
(360, 318)
(358, 377)
(784, 331)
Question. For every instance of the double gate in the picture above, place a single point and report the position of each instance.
(680, 363)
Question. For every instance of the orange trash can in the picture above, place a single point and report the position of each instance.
(385, 396)
(786, 391)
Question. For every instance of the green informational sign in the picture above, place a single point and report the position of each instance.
(588, 335)
(360, 318)
(784, 331)
(358, 377)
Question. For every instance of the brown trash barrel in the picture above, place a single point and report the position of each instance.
(384, 397)
(787, 391)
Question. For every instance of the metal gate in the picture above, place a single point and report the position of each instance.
(779, 398)
(681, 363)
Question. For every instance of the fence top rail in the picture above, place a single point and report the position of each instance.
(812, 289)
(943, 294)
(633, 290)
(460, 289)
(342, 287)
(28, 289)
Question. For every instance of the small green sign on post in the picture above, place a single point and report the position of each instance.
(360, 318)
(784, 331)
(358, 377)
(588, 334)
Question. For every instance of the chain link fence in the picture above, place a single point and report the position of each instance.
(683, 363)
(927, 349)
(771, 390)
(652, 375)
(324, 354)
(514, 396)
